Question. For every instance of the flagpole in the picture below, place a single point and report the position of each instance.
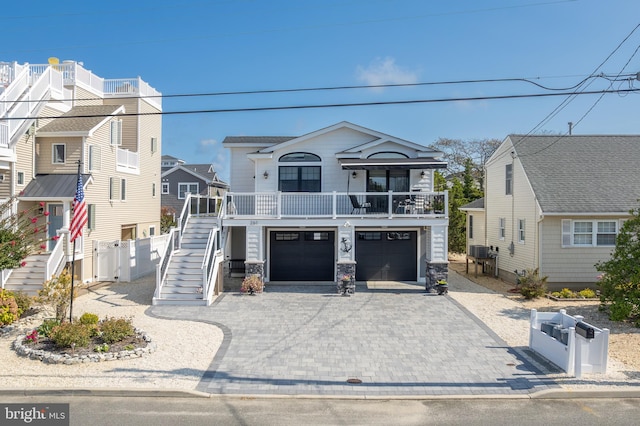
(73, 260)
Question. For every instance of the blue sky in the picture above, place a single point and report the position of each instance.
(192, 47)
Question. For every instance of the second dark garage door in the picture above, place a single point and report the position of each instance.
(386, 256)
(302, 256)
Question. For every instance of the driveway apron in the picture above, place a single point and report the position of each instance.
(308, 340)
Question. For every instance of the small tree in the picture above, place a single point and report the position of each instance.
(21, 233)
(167, 219)
(620, 281)
(57, 292)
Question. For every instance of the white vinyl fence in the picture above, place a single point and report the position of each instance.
(127, 260)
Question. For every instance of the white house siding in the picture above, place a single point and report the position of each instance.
(571, 267)
(479, 231)
(520, 205)
(242, 172)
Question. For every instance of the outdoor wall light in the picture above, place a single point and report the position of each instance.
(423, 174)
(354, 174)
(266, 174)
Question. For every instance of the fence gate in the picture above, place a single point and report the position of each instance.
(106, 260)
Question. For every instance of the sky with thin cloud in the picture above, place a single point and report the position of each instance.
(493, 56)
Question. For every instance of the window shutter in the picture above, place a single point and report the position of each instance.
(566, 232)
(154, 145)
(94, 157)
(116, 132)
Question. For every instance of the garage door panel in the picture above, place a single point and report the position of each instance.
(386, 256)
(302, 256)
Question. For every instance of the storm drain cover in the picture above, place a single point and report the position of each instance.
(354, 381)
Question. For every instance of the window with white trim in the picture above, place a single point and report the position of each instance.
(508, 179)
(502, 222)
(91, 216)
(94, 157)
(521, 227)
(185, 187)
(116, 132)
(165, 187)
(58, 153)
(153, 189)
(20, 178)
(589, 233)
(117, 189)
(471, 227)
(152, 230)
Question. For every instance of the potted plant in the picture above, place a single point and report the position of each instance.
(252, 284)
(347, 285)
(442, 286)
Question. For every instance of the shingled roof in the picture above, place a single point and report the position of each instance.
(581, 174)
(80, 119)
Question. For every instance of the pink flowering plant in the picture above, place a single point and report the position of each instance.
(32, 337)
(22, 232)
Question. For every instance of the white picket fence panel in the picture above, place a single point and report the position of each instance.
(128, 260)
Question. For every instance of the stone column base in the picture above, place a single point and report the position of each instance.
(436, 271)
(254, 267)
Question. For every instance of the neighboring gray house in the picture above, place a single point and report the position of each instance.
(557, 203)
(179, 178)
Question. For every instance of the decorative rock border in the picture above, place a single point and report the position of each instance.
(54, 358)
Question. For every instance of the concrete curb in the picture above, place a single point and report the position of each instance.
(173, 393)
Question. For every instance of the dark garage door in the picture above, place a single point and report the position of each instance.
(302, 256)
(386, 256)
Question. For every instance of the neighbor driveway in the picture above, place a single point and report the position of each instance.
(391, 340)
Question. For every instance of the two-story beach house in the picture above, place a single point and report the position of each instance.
(343, 200)
(56, 116)
(556, 203)
(179, 179)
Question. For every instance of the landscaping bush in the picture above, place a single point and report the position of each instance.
(23, 301)
(89, 319)
(587, 293)
(532, 285)
(48, 325)
(116, 329)
(67, 335)
(9, 311)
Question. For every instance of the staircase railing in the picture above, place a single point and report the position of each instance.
(163, 266)
(55, 262)
(211, 264)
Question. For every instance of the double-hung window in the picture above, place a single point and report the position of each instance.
(521, 228)
(185, 187)
(116, 132)
(501, 227)
(508, 179)
(589, 233)
(58, 153)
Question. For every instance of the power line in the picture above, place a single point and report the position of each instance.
(336, 105)
(349, 87)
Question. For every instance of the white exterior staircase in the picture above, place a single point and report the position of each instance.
(30, 277)
(184, 281)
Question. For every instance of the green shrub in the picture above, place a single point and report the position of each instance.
(9, 311)
(587, 293)
(101, 348)
(532, 285)
(48, 325)
(565, 293)
(23, 300)
(89, 319)
(116, 329)
(67, 335)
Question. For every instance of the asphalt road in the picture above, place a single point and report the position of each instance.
(160, 411)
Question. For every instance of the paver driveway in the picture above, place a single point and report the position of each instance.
(308, 340)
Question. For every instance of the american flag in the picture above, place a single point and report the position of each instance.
(79, 218)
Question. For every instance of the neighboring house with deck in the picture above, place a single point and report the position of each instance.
(75, 116)
(179, 178)
(556, 203)
(340, 200)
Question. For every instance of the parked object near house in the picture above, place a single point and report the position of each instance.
(75, 116)
(556, 203)
(343, 200)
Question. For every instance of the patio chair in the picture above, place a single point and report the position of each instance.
(357, 205)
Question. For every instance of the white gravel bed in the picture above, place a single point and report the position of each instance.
(510, 320)
(184, 349)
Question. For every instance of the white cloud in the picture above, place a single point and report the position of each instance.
(385, 71)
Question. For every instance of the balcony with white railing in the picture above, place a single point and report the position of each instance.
(278, 205)
(127, 161)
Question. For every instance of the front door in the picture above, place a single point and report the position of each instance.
(56, 220)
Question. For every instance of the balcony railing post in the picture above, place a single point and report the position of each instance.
(279, 204)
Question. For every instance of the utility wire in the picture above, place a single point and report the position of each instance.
(335, 105)
(346, 87)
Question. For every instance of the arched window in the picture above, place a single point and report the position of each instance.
(297, 176)
(388, 154)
